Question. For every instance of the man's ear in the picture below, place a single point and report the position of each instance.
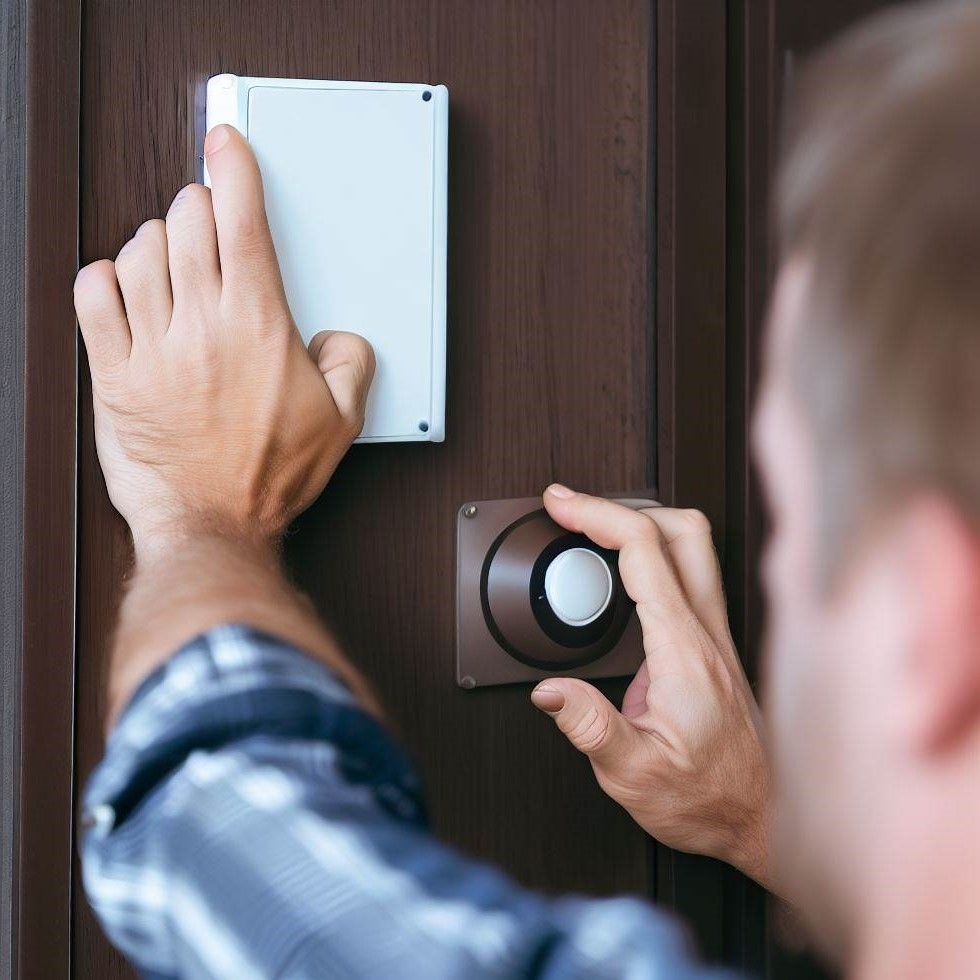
(941, 552)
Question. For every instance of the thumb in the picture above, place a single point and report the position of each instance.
(587, 719)
(346, 362)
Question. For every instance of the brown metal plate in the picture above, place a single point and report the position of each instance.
(480, 660)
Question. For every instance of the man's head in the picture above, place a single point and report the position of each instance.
(868, 436)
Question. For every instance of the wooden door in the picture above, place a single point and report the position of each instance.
(550, 364)
(586, 225)
(609, 164)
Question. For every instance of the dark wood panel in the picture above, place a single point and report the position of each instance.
(550, 354)
(13, 165)
(44, 808)
(691, 353)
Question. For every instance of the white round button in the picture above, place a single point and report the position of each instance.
(579, 586)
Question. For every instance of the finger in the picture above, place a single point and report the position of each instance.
(144, 280)
(102, 317)
(623, 529)
(687, 534)
(587, 720)
(648, 574)
(679, 548)
(347, 364)
(607, 523)
(192, 248)
(248, 256)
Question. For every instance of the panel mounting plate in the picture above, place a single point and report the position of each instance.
(480, 660)
(355, 184)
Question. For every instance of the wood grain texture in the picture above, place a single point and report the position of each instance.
(549, 376)
(691, 351)
(44, 820)
(13, 165)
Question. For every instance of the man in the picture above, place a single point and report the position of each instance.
(252, 817)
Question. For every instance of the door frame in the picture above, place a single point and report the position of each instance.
(702, 402)
(698, 367)
(13, 120)
(40, 41)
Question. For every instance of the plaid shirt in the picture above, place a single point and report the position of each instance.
(249, 820)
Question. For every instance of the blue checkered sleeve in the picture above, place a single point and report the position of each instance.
(250, 820)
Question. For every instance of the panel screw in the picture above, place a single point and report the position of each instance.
(426, 96)
(468, 682)
(470, 510)
(423, 426)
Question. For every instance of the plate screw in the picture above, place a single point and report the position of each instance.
(423, 426)
(469, 510)
(468, 682)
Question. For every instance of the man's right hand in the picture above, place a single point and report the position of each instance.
(210, 413)
(214, 423)
(684, 757)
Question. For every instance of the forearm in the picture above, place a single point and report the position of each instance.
(249, 819)
(189, 583)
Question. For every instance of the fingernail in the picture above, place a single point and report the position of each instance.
(216, 138)
(560, 490)
(547, 699)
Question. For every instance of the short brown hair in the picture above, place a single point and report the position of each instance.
(879, 193)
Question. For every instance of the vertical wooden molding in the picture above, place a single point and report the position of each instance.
(13, 47)
(748, 169)
(691, 173)
(691, 337)
(757, 151)
(49, 452)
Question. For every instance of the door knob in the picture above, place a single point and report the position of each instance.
(534, 599)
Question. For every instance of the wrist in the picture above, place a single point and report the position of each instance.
(193, 576)
(161, 539)
(748, 846)
(188, 578)
(750, 853)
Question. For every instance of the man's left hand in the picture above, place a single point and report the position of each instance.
(684, 756)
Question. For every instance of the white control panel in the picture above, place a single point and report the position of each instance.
(355, 184)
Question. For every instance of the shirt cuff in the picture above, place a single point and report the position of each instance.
(230, 684)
